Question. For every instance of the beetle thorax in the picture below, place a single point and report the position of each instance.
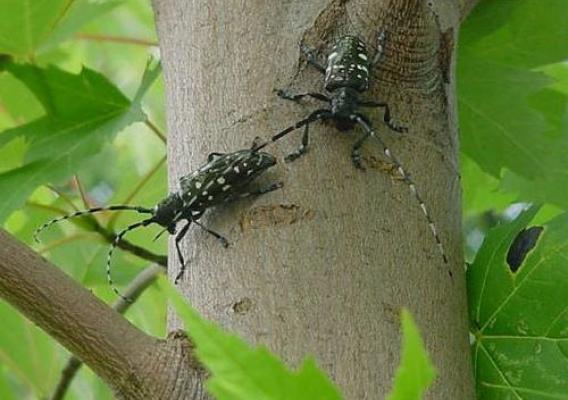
(168, 211)
(344, 102)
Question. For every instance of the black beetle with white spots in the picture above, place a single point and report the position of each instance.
(224, 178)
(346, 77)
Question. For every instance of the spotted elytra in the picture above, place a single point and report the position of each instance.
(346, 77)
(224, 178)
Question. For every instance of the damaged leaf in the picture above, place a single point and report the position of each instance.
(520, 320)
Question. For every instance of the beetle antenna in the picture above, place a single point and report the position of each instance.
(115, 243)
(94, 210)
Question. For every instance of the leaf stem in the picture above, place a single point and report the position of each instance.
(79, 186)
(116, 39)
(66, 198)
(156, 130)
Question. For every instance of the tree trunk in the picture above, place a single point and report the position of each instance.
(322, 266)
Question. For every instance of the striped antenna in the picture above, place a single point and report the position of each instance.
(141, 210)
(408, 181)
(314, 116)
(115, 243)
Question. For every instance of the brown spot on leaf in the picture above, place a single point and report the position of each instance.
(274, 214)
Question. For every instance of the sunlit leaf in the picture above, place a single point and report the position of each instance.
(242, 372)
(78, 14)
(415, 372)
(28, 25)
(82, 113)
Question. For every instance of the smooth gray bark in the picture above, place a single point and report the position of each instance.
(323, 266)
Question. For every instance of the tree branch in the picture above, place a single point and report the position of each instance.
(142, 281)
(70, 313)
(134, 364)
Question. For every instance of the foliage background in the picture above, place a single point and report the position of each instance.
(512, 87)
(31, 362)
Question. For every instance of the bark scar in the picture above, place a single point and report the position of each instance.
(242, 306)
(273, 215)
(180, 339)
(383, 166)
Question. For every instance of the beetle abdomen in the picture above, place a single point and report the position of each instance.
(222, 177)
(347, 65)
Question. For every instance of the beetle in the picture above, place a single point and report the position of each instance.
(346, 78)
(223, 179)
